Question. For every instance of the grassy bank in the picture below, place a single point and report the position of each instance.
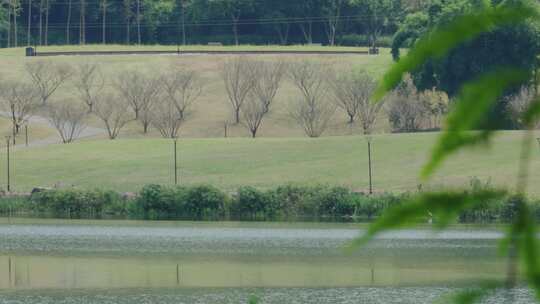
(286, 202)
(127, 165)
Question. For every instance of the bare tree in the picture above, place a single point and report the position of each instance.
(89, 82)
(267, 77)
(311, 110)
(405, 111)
(238, 83)
(181, 88)
(20, 100)
(519, 103)
(139, 91)
(352, 92)
(114, 112)
(47, 77)
(166, 118)
(68, 119)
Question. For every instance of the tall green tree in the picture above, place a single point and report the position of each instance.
(516, 45)
(234, 9)
(377, 16)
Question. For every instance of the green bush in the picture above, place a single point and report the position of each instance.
(74, 202)
(287, 202)
(204, 202)
(250, 203)
(156, 201)
(336, 202)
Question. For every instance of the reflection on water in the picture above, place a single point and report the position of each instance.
(187, 263)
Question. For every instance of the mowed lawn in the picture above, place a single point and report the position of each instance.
(126, 165)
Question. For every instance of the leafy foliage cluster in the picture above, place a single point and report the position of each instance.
(494, 42)
(470, 123)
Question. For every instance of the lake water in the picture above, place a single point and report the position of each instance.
(56, 261)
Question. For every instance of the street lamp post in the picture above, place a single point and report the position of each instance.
(175, 141)
(369, 139)
(8, 139)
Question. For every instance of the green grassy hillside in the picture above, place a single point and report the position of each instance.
(126, 165)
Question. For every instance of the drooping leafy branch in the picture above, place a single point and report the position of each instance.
(464, 128)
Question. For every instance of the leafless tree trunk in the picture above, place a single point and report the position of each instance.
(68, 119)
(235, 16)
(332, 22)
(267, 78)
(181, 88)
(16, 8)
(307, 31)
(29, 24)
(9, 24)
(139, 22)
(127, 17)
(20, 100)
(82, 22)
(113, 112)
(184, 7)
(166, 118)
(68, 22)
(283, 32)
(47, 77)
(104, 21)
(352, 93)
(140, 92)
(47, 7)
(238, 83)
(311, 111)
(89, 82)
(253, 113)
(41, 10)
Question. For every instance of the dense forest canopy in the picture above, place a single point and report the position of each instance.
(329, 22)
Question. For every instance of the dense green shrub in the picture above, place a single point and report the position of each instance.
(336, 202)
(74, 202)
(204, 202)
(287, 202)
(156, 201)
(250, 203)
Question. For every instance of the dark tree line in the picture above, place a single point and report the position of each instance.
(43, 22)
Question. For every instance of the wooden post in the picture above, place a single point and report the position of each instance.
(26, 134)
(225, 125)
(8, 171)
(9, 270)
(177, 274)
